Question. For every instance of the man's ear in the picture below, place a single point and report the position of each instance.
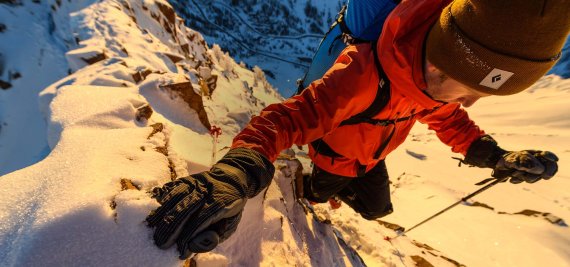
(430, 67)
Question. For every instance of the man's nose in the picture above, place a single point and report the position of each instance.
(468, 101)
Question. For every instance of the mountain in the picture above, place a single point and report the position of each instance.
(136, 96)
(108, 99)
(279, 36)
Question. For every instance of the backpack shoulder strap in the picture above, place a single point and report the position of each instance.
(382, 95)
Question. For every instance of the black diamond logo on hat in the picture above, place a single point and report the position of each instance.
(496, 78)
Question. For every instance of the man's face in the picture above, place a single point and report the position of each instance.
(443, 88)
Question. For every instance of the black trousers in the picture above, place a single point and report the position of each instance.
(368, 195)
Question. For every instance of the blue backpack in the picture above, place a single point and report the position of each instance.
(359, 21)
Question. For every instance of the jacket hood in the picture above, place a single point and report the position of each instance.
(401, 46)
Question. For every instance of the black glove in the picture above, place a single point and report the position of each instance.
(522, 166)
(202, 210)
(528, 165)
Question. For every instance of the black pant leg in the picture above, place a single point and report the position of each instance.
(369, 195)
(322, 185)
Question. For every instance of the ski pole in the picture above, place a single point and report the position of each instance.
(497, 180)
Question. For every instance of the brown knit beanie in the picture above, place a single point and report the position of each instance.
(499, 47)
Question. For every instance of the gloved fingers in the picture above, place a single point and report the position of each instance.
(523, 161)
(202, 242)
(502, 173)
(210, 217)
(168, 200)
(226, 227)
(159, 192)
(185, 185)
(551, 169)
(171, 223)
(516, 180)
(525, 176)
(548, 156)
(208, 239)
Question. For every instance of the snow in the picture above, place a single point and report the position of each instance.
(28, 49)
(77, 194)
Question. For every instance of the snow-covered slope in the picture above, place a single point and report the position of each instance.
(131, 116)
(31, 58)
(134, 113)
(484, 232)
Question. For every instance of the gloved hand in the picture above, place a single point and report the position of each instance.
(528, 165)
(202, 210)
(522, 166)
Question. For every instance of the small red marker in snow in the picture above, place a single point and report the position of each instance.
(215, 131)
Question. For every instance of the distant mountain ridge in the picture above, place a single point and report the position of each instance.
(279, 36)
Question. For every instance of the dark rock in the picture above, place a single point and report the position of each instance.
(185, 48)
(145, 73)
(421, 245)
(547, 216)
(421, 262)
(171, 166)
(479, 204)
(191, 37)
(174, 58)
(194, 100)
(2, 27)
(156, 128)
(5, 85)
(168, 28)
(127, 184)
(529, 212)
(94, 59)
(212, 82)
(162, 150)
(168, 12)
(555, 220)
(144, 112)
(137, 77)
(141, 75)
(392, 226)
(16, 75)
(452, 261)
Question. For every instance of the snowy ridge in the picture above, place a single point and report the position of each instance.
(134, 112)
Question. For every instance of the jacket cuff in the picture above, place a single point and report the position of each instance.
(484, 152)
(257, 169)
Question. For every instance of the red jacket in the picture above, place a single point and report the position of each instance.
(350, 86)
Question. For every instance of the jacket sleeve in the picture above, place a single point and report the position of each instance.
(343, 92)
(453, 127)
